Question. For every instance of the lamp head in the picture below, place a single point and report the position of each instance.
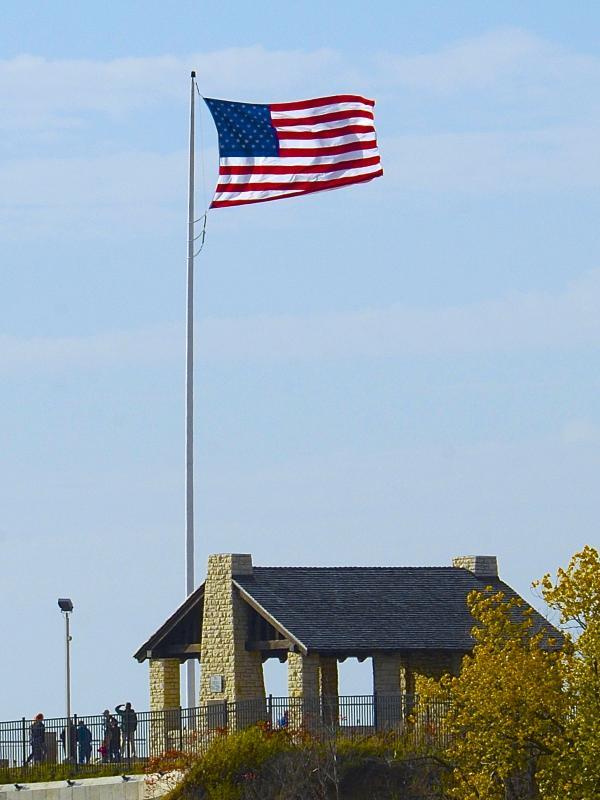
(65, 604)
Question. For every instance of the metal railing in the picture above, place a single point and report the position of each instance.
(107, 743)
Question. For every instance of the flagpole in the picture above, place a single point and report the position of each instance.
(189, 402)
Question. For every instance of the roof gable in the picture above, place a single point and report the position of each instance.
(182, 629)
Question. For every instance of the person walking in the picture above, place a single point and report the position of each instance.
(84, 743)
(129, 721)
(37, 740)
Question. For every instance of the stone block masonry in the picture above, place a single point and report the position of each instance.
(482, 566)
(229, 673)
(164, 684)
(329, 690)
(303, 675)
(304, 683)
(164, 696)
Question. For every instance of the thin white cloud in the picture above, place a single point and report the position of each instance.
(495, 162)
(95, 197)
(534, 321)
(70, 182)
(581, 431)
(108, 195)
(508, 57)
(528, 321)
(41, 93)
(39, 353)
(37, 91)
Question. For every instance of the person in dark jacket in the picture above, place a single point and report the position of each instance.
(84, 742)
(37, 740)
(129, 721)
(114, 741)
(70, 755)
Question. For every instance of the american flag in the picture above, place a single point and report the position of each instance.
(268, 152)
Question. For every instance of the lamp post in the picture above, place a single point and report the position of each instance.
(66, 606)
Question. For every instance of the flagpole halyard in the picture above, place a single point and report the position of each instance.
(189, 401)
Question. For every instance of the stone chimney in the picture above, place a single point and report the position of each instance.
(481, 566)
(228, 671)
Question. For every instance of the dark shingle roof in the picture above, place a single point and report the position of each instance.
(371, 608)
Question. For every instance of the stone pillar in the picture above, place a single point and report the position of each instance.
(429, 664)
(386, 674)
(436, 663)
(165, 700)
(387, 690)
(329, 691)
(229, 674)
(303, 689)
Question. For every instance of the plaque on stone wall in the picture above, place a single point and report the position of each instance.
(216, 683)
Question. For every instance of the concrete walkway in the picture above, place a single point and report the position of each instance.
(138, 787)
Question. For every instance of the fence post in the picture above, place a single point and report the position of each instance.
(270, 710)
(180, 728)
(375, 714)
(73, 741)
(24, 743)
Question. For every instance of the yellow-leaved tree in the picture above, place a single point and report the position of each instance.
(506, 719)
(575, 595)
(524, 720)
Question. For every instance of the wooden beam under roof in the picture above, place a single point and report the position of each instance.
(269, 618)
(181, 651)
(270, 644)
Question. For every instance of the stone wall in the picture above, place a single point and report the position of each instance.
(434, 664)
(482, 566)
(329, 689)
(386, 673)
(224, 657)
(303, 675)
(164, 697)
(164, 684)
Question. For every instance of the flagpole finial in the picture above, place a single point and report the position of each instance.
(193, 73)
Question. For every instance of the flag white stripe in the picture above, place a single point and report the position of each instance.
(291, 161)
(316, 111)
(247, 197)
(294, 144)
(292, 177)
(328, 126)
(257, 195)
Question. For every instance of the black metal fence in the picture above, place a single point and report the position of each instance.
(112, 744)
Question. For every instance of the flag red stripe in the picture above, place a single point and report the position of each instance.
(321, 101)
(303, 169)
(314, 188)
(328, 133)
(286, 152)
(331, 117)
(264, 186)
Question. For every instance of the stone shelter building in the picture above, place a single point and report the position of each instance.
(409, 620)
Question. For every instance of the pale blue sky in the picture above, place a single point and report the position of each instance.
(390, 374)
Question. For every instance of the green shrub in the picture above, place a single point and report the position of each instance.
(230, 761)
(259, 764)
